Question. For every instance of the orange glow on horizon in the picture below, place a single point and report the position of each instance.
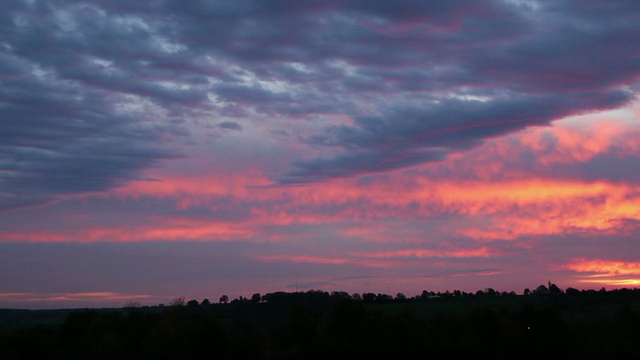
(612, 273)
(605, 267)
(613, 282)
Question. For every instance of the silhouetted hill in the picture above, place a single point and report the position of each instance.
(547, 323)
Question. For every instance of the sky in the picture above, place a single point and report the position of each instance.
(157, 149)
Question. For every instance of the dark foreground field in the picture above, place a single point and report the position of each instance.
(544, 324)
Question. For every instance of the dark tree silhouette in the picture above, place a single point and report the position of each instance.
(369, 297)
(256, 298)
(554, 289)
(541, 290)
(490, 292)
(572, 292)
(179, 301)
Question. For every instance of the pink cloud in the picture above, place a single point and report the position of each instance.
(384, 259)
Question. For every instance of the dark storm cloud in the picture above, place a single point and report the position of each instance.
(88, 88)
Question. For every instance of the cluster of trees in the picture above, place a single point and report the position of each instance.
(541, 290)
(582, 324)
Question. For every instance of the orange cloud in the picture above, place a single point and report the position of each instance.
(605, 267)
(509, 209)
(605, 272)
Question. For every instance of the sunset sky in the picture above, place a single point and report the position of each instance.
(166, 148)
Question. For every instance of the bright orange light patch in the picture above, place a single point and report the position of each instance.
(612, 282)
(606, 267)
(612, 273)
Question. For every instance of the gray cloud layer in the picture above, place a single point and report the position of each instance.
(88, 89)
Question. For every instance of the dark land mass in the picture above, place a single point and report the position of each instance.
(544, 323)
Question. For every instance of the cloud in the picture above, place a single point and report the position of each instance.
(543, 181)
(606, 267)
(607, 272)
(230, 125)
(513, 81)
(361, 162)
(69, 123)
(90, 88)
(60, 139)
(405, 137)
(597, 147)
(384, 259)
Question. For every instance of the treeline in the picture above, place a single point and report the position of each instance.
(549, 324)
(542, 290)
